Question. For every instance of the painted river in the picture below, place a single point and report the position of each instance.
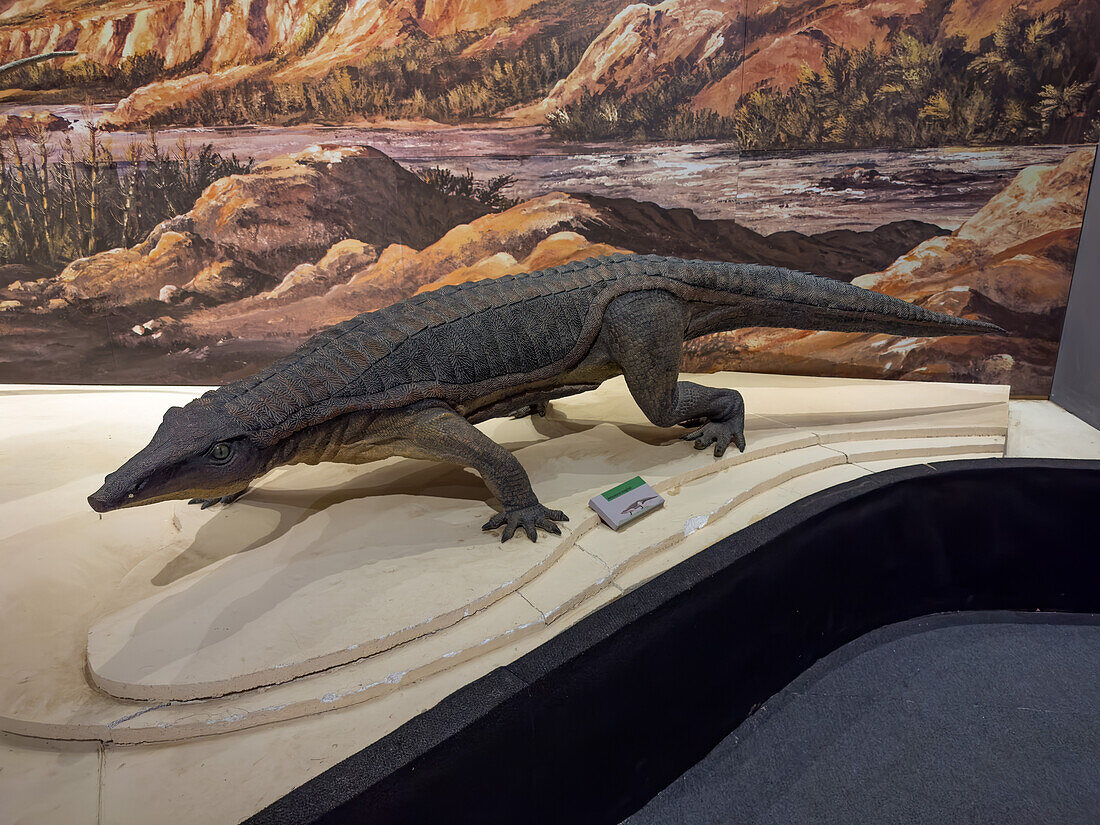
(804, 191)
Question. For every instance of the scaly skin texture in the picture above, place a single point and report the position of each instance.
(413, 378)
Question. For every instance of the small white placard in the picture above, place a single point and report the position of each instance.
(626, 502)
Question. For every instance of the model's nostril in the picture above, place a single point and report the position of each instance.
(101, 500)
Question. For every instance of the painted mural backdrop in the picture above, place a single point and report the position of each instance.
(204, 184)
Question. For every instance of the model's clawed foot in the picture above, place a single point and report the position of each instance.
(210, 502)
(529, 519)
(719, 433)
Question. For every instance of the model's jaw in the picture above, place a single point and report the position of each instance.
(118, 492)
(102, 503)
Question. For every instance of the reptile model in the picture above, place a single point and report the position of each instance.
(412, 379)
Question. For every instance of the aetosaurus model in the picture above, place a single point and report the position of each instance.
(412, 379)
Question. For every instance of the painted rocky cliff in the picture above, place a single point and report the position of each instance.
(174, 51)
(559, 61)
(781, 40)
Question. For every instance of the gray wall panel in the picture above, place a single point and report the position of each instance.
(1077, 375)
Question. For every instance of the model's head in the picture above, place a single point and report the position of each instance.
(197, 452)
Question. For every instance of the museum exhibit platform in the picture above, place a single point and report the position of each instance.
(201, 664)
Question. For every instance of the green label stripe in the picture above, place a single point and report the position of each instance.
(625, 487)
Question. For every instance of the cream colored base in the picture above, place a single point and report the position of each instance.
(169, 599)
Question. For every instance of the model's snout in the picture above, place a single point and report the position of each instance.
(100, 502)
(113, 495)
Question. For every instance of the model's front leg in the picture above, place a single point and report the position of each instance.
(434, 431)
(645, 337)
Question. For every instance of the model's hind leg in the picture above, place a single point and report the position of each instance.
(644, 332)
(437, 432)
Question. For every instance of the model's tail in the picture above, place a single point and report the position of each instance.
(778, 297)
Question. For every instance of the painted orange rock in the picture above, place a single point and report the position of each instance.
(288, 211)
(1011, 263)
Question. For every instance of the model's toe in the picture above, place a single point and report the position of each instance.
(495, 522)
(528, 519)
(210, 502)
(719, 433)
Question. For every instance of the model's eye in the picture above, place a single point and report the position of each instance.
(221, 452)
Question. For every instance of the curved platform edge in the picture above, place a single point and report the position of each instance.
(593, 723)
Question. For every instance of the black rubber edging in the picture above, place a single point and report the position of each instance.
(593, 723)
